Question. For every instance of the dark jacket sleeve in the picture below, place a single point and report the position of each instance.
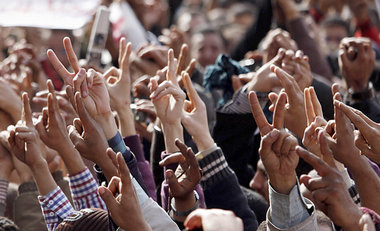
(133, 142)
(256, 33)
(222, 190)
(300, 33)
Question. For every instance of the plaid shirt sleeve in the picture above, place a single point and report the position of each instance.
(55, 208)
(84, 190)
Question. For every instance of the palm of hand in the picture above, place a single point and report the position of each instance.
(97, 102)
(168, 108)
(28, 152)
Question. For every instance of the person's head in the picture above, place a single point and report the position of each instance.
(259, 182)
(85, 219)
(206, 45)
(335, 29)
(7, 225)
(189, 20)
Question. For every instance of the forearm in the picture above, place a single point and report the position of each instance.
(127, 124)
(172, 132)
(72, 159)
(307, 44)
(108, 124)
(44, 180)
(367, 183)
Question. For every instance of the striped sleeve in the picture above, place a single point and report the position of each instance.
(84, 190)
(55, 207)
(215, 168)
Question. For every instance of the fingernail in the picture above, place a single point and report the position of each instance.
(101, 191)
(169, 175)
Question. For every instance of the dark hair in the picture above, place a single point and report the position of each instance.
(337, 21)
(209, 29)
(7, 225)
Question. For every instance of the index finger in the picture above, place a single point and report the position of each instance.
(310, 115)
(279, 111)
(316, 104)
(124, 65)
(121, 50)
(71, 56)
(26, 110)
(172, 65)
(182, 58)
(320, 166)
(59, 67)
(258, 114)
(82, 112)
(124, 174)
(191, 92)
(362, 124)
(287, 81)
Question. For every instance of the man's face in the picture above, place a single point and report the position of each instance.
(206, 48)
(259, 182)
(333, 36)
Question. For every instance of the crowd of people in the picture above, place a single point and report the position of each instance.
(207, 115)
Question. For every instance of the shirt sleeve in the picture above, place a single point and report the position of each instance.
(117, 144)
(287, 211)
(55, 208)
(84, 191)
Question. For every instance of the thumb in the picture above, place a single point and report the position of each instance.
(75, 138)
(172, 181)
(267, 141)
(108, 198)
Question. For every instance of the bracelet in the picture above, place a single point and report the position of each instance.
(185, 213)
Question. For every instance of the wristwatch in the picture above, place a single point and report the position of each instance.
(356, 97)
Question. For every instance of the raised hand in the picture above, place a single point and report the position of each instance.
(88, 138)
(295, 116)
(24, 139)
(315, 121)
(297, 65)
(366, 139)
(277, 149)
(346, 152)
(356, 62)
(330, 193)
(194, 117)
(119, 80)
(52, 124)
(67, 76)
(168, 99)
(121, 198)
(213, 219)
(187, 176)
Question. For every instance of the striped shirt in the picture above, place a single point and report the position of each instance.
(56, 207)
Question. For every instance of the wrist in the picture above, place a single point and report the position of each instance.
(108, 124)
(283, 183)
(38, 165)
(172, 132)
(127, 123)
(203, 142)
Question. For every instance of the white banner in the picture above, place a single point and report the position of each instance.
(52, 14)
